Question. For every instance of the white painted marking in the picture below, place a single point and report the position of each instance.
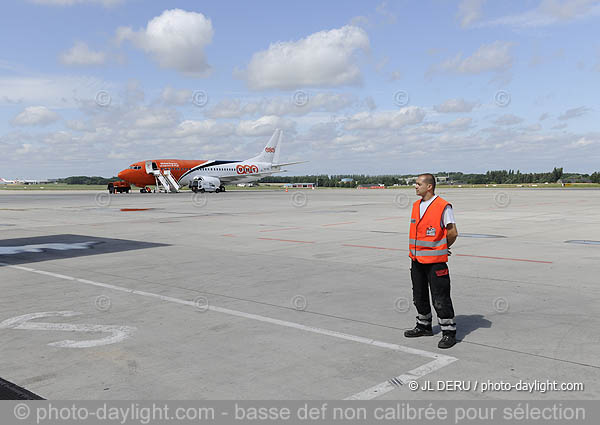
(440, 360)
(11, 250)
(117, 333)
(411, 375)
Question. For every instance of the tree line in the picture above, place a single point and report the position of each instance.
(454, 177)
(87, 180)
(335, 180)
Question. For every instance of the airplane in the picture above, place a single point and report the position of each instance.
(171, 174)
(19, 181)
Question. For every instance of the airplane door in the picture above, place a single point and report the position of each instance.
(149, 167)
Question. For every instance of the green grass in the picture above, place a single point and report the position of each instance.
(523, 185)
(52, 186)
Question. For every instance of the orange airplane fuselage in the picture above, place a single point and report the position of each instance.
(136, 173)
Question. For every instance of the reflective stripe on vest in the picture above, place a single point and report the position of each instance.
(427, 239)
(430, 253)
(431, 244)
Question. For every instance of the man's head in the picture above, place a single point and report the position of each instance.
(425, 183)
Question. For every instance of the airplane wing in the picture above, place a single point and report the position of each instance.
(242, 178)
(288, 163)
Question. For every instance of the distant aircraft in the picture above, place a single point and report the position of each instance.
(171, 174)
(18, 181)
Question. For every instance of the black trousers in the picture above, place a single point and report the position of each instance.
(434, 277)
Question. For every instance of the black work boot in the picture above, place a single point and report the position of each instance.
(418, 330)
(447, 341)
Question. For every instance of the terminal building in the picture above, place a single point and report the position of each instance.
(371, 186)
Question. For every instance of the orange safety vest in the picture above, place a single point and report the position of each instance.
(427, 239)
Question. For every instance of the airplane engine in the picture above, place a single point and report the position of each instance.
(212, 181)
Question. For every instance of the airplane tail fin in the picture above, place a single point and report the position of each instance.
(270, 153)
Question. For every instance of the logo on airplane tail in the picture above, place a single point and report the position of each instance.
(246, 169)
(270, 150)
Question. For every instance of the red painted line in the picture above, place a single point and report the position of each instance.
(457, 255)
(504, 258)
(338, 224)
(285, 240)
(136, 209)
(229, 235)
(386, 218)
(374, 247)
(276, 230)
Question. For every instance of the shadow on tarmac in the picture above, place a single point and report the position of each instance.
(63, 246)
(465, 324)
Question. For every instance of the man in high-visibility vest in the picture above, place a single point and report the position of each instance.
(432, 232)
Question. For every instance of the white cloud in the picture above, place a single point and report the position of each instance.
(508, 119)
(549, 12)
(264, 126)
(360, 21)
(133, 92)
(233, 108)
(155, 119)
(204, 128)
(35, 115)
(532, 127)
(538, 59)
(489, 57)
(52, 91)
(81, 54)
(455, 105)
(395, 75)
(383, 10)
(369, 103)
(323, 59)
(385, 119)
(106, 3)
(573, 113)
(171, 96)
(584, 141)
(176, 39)
(26, 148)
(469, 11)
(382, 63)
(116, 155)
(459, 124)
(319, 102)
(77, 125)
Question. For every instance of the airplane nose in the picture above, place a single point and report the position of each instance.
(123, 175)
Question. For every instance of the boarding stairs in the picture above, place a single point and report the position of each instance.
(164, 180)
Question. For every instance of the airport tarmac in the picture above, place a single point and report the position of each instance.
(293, 295)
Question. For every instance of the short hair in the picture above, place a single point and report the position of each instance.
(429, 179)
